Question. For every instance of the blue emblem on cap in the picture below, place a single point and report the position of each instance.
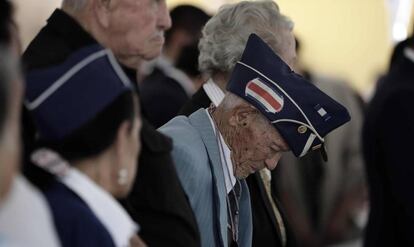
(301, 113)
(62, 98)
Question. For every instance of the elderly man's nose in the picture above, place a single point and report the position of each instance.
(271, 162)
(164, 19)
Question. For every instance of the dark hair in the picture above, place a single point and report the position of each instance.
(6, 11)
(189, 18)
(5, 19)
(298, 45)
(4, 90)
(99, 133)
(398, 53)
(188, 60)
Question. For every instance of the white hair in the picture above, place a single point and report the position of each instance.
(225, 35)
(74, 5)
(231, 101)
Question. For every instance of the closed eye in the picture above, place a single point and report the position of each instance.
(279, 147)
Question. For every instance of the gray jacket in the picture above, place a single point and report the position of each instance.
(197, 160)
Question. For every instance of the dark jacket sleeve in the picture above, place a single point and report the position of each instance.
(157, 200)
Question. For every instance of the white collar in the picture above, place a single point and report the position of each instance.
(225, 158)
(14, 214)
(214, 92)
(166, 66)
(409, 53)
(115, 219)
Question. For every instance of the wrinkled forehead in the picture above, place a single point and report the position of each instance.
(271, 132)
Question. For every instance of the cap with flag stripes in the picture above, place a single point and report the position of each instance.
(301, 112)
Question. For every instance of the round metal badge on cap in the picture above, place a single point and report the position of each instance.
(302, 129)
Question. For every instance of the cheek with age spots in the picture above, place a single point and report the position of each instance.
(242, 145)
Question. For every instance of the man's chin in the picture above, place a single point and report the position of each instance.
(152, 54)
(244, 169)
(242, 174)
(130, 62)
(134, 61)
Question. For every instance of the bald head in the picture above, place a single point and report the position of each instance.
(254, 142)
(132, 29)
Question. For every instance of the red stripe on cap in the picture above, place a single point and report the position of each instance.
(265, 95)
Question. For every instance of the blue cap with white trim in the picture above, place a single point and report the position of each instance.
(301, 113)
(64, 97)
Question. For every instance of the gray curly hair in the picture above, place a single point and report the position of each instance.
(225, 35)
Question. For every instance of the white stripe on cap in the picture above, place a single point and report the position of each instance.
(118, 70)
(288, 96)
(292, 121)
(262, 101)
(308, 144)
(270, 92)
(63, 79)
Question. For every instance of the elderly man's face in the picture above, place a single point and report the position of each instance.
(288, 53)
(136, 29)
(257, 144)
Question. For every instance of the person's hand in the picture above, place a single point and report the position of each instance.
(136, 241)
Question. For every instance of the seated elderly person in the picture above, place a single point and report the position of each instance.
(238, 21)
(268, 110)
(87, 119)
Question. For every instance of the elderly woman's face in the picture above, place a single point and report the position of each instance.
(257, 145)
(288, 53)
(134, 148)
(136, 29)
(10, 139)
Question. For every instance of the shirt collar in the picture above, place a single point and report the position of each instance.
(214, 92)
(39, 230)
(225, 158)
(109, 212)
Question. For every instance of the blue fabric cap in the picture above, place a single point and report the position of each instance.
(63, 98)
(301, 113)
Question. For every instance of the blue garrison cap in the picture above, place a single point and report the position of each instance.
(301, 113)
(64, 97)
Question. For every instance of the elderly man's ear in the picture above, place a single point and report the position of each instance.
(242, 116)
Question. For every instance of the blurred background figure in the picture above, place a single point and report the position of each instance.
(387, 141)
(324, 200)
(174, 76)
(18, 225)
(188, 63)
(397, 57)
